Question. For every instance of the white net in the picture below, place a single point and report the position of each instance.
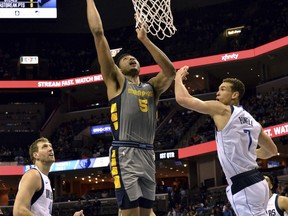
(157, 15)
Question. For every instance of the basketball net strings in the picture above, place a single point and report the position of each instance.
(156, 15)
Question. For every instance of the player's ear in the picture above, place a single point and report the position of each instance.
(35, 155)
(235, 95)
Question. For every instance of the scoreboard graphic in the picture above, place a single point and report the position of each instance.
(28, 9)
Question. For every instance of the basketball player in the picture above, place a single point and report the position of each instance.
(35, 195)
(237, 137)
(277, 205)
(133, 117)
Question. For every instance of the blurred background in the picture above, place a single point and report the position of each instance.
(217, 39)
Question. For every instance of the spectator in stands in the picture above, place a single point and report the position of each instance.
(104, 194)
(11, 196)
(216, 211)
(19, 159)
(35, 195)
(88, 207)
(79, 205)
(171, 212)
(133, 117)
(237, 137)
(200, 209)
(226, 210)
(96, 205)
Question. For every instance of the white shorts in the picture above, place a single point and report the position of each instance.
(251, 200)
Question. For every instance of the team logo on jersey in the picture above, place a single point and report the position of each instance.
(49, 194)
(140, 93)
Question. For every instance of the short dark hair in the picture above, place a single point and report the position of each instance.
(273, 180)
(237, 85)
(119, 57)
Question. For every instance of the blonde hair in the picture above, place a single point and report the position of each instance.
(34, 147)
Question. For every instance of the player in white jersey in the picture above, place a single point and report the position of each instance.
(35, 195)
(277, 205)
(237, 137)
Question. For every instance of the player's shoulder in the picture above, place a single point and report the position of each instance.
(282, 201)
(31, 179)
(31, 174)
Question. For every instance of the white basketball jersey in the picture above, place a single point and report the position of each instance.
(42, 201)
(237, 142)
(273, 208)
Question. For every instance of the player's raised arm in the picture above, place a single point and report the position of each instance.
(186, 100)
(164, 79)
(112, 75)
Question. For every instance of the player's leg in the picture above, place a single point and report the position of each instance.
(148, 185)
(131, 212)
(146, 207)
(146, 212)
(128, 208)
(127, 188)
(152, 213)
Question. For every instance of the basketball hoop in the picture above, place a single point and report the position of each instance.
(156, 15)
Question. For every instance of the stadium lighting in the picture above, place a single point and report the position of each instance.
(232, 32)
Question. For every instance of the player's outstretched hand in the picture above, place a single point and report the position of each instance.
(141, 29)
(79, 213)
(182, 73)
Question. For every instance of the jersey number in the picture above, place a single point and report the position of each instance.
(143, 105)
(272, 212)
(249, 135)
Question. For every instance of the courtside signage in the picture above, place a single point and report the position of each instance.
(277, 130)
(101, 129)
(197, 149)
(166, 155)
(234, 56)
(52, 83)
(73, 164)
(203, 148)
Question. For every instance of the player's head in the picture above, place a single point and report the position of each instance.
(236, 86)
(270, 180)
(231, 91)
(34, 148)
(128, 64)
(119, 57)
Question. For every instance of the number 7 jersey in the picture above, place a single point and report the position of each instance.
(237, 143)
(134, 113)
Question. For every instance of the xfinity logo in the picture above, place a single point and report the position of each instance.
(229, 57)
